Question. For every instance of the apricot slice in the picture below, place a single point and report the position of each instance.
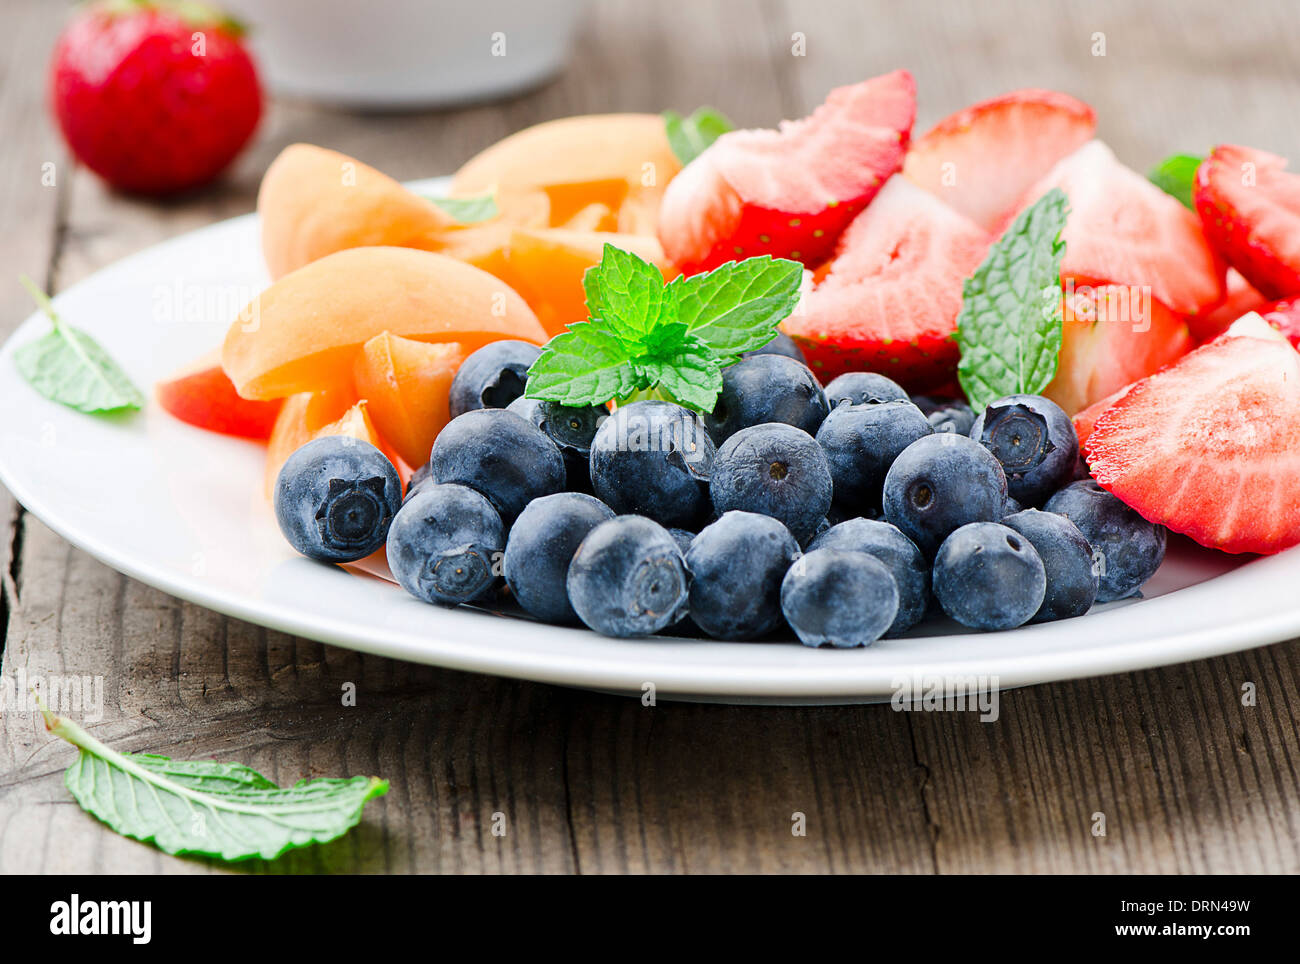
(302, 333)
(405, 384)
(300, 418)
(202, 395)
(314, 201)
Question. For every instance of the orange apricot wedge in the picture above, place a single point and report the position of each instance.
(300, 418)
(303, 332)
(405, 384)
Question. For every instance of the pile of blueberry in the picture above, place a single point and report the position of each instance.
(847, 513)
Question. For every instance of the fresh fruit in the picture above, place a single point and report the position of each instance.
(782, 344)
(946, 414)
(445, 544)
(496, 452)
(1210, 447)
(492, 377)
(1072, 580)
(1285, 317)
(1086, 418)
(1127, 549)
(628, 578)
(838, 597)
(154, 97)
(1033, 439)
(863, 388)
(981, 160)
(335, 498)
(1111, 336)
(405, 384)
(789, 192)
(988, 576)
(938, 484)
(776, 470)
(766, 388)
(571, 429)
(1239, 298)
(861, 443)
(303, 333)
(540, 547)
(888, 544)
(301, 417)
(888, 302)
(736, 566)
(202, 395)
(1124, 230)
(1250, 209)
(654, 458)
(314, 202)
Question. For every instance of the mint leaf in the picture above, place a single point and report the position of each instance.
(468, 210)
(736, 307)
(222, 810)
(627, 295)
(690, 136)
(582, 366)
(1175, 175)
(1009, 327)
(70, 367)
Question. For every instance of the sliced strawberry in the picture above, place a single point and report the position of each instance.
(1086, 419)
(1250, 208)
(1124, 229)
(1285, 317)
(888, 302)
(982, 159)
(789, 192)
(1111, 336)
(1240, 297)
(1211, 446)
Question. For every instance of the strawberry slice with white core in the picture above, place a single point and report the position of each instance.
(889, 300)
(1250, 209)
(1210, 446)
(1123, 229)
(790, 192)
(982, 159)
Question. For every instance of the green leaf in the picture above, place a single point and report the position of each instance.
(1009, 327)
(222, 810)
(582, 366)
(70, 367)
(690, 136)
(737, 306)
(468, 210)
(1175, 175)
(691, 375)
(627, 295)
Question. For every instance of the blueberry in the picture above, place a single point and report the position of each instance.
(335, 497)
(839, 597)
(988, 576)
(863, 388)
(683, 538)
(822, 526)
(946, 414)
(417, 479)
(1011, 507)
(861, 443)
(1034, 440)
(653, 459)
(571, 429)
(736, 566)
(492, 377)
(939, 483)
(1067, 558)
(766, 388)
(775, 470)
(782, 344)
(1126, 548)
(445, 544)
(540, 547)
(628, 578)
(906, 564)
(501, 455)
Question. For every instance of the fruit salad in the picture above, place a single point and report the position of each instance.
(822, 382)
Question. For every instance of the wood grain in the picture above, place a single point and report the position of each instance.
(1189, 779)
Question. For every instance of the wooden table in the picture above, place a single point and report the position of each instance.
(1189, 779)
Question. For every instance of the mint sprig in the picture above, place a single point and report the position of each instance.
(669, 340)
(689, 137)
(1009, 327)
(1175, 175)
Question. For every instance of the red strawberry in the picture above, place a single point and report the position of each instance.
(789, 192)
(888, 302)
(1124, 229)
(1250, 208)
(982, 159)
(1285, 317)
(1211, 446)
(1239, 299)
(154, 97)
(1085, 419)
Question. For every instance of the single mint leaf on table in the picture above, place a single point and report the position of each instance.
(222, 810)
(469, 210)
(1176, 175)
(737, 306)
(1009, 327)
(689, 137)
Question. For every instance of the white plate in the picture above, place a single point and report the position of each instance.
(181, 509)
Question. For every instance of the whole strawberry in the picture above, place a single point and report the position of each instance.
(154, 96)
